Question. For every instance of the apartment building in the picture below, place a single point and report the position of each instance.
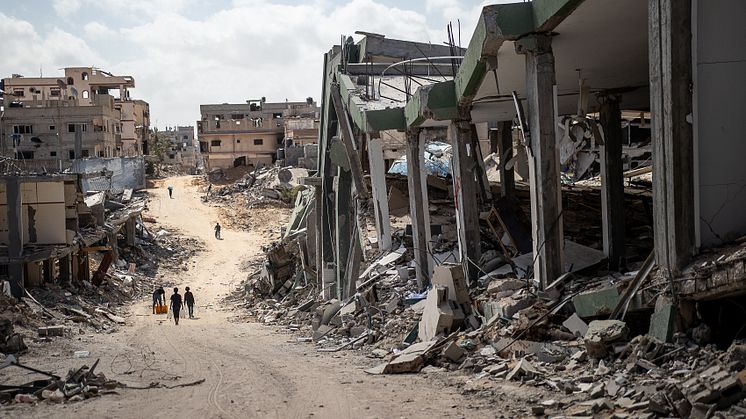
(249, 133)
(75, 116)
(184, 150)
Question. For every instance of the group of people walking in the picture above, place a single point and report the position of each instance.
(176, 302)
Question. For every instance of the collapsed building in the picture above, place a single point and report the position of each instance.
(183, 149)
(580, 157)
(49, 228)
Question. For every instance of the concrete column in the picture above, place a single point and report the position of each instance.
(612, 181)
(49, 270)
(670, 60)
(15, 237)
(505, 149)
(543, 158)
(418, 206)
(344, 227)
(465, 194)
(64, 269)
(380, 192)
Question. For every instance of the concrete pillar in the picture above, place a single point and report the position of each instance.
(344, 227)
(15, 237)
(418, 205)
(505, 149)
(34, 276)
(465, 193)
(64, 263)
(612, 181)
(380, 192)
(49, 270)
(544, 174)
(670, 60)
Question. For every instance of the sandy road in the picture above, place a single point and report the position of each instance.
(249, 370)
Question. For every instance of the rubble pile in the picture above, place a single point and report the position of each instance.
(272, 188)
(77, 385)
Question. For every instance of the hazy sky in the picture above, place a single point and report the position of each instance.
(183, 53)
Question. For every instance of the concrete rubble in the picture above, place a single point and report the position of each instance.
(560, 341)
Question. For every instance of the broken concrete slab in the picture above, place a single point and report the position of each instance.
(576, 256)
(576, 325)
(411, 359)
(453, 352)
(452, 277)
(438, 315)
(662, 322)
(601, 334)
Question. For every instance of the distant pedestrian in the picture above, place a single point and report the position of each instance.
(159, 297)
(170, 191)
(189, 301)
(176, 305)
(209, 189)
(217, 231)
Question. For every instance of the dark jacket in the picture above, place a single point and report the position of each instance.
(189, 298)
(176, 302)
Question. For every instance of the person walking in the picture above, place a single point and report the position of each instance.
(217, 231)
(176, 305)
(189, 301)
(159, 295)
(170, 191)
(209, 189)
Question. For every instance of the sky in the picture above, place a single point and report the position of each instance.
(183, 53)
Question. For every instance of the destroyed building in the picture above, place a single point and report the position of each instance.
(571, 193)
(245, 134)
(48, 228)
(183, 148)
(50, 121)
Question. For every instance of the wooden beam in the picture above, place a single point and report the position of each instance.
(505, 149)
(546, 202)
(612, 181)
(418, 206)
(348, 139)
(380, 192)
(670, 60)
(465, 195)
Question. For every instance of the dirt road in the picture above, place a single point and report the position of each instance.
(249, 370)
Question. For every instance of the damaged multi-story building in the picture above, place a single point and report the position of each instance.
(246, 134)
(50, 121)
(549, 93)
(183, 149)
(49, 228)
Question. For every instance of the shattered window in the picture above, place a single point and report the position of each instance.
(215, 143)
(258, 141)
(54, 93)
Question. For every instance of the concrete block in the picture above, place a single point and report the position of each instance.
(602, 333)
(509, 306)
(596, 303)
(437, 317)
(452, 277)
(576, 325)
(453, 352)
(411, 359)
(662, 322)
(51, 331)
